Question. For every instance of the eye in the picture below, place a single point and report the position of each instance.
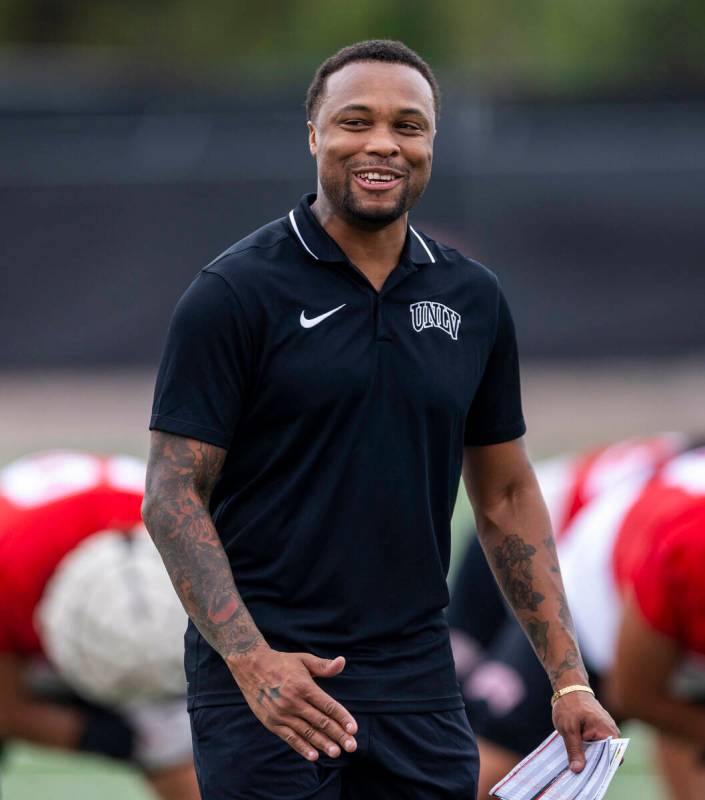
(409, 127)
(354, 123)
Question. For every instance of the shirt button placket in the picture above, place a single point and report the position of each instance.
(383, 334)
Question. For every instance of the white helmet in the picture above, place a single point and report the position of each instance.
(111, 622)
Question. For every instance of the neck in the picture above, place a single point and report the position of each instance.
(375, 251)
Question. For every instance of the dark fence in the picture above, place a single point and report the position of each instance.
(592, 215)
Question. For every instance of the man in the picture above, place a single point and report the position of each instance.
(54, 508)
(323, 382)
(632, 561)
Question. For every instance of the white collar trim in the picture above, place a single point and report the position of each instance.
(292, 219)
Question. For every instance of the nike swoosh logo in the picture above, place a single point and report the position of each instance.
(311, 323)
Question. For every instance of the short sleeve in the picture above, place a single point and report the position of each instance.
(668, 584)
(495, 415)
(203, 372)
(652, 588)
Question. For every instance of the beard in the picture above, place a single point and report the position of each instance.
(378, 217)
(352, 208)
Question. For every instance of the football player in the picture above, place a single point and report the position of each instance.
(62, 515)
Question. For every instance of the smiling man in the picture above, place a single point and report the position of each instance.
(323, 384)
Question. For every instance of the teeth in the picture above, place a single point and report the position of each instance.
(376, 176)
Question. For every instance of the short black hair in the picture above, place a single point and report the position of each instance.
(388, 51)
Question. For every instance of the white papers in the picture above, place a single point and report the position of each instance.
(544, 773)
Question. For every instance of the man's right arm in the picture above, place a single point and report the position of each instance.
(180, 478)
(278, 687)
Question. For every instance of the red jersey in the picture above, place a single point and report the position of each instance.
(659, 553)
(570, 483)
(49, 503)
(647, 537)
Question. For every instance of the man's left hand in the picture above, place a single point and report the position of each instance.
(578, 717)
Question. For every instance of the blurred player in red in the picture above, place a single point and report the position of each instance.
(569, 482)
(51, 506)
(632, 557)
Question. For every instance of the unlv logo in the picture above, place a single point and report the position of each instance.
(435, 315)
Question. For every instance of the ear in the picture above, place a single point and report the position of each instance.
(312, 138)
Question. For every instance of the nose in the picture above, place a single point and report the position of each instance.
(381, 142)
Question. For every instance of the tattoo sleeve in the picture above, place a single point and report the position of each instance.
(181, 475)
(530, 578)
(514, 528)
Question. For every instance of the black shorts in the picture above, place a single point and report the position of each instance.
(425, 756)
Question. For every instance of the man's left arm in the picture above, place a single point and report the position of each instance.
(514, 529)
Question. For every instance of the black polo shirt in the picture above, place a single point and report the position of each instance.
(344, 413)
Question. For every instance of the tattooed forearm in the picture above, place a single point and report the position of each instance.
(513, 564)
(563, 611)
(550, 545)
(571, 661)
(564, 614)
(180, 479)
(537, 630)
(521, 571)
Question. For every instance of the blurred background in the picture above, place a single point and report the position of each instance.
(139, 139)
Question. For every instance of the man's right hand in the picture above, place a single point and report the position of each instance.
(280, 690)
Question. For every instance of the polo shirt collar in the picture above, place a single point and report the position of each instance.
(318, 244)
